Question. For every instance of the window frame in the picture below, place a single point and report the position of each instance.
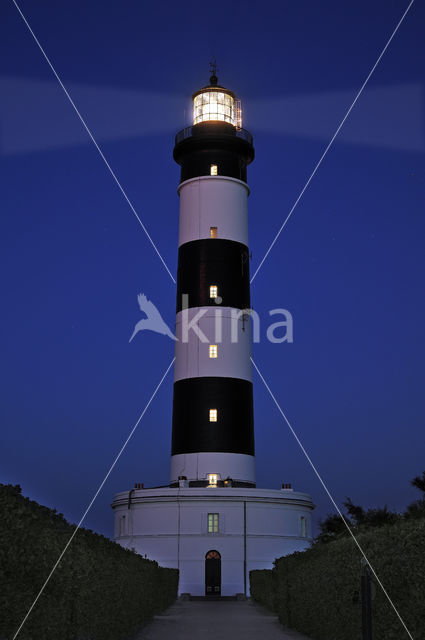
(123, 525)
(303, 526)
(213, 523)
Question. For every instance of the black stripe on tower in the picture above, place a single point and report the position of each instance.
(207, 143)
(192, 430)
(224, 263)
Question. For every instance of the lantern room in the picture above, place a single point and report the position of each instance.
(215, 103)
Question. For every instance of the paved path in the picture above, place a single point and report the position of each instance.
(222, 620)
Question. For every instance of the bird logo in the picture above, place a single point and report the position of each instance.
(153, 322)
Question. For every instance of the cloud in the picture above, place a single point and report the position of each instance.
(386, 117)
(36, 115)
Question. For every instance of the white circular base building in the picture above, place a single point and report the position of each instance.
(214, 535)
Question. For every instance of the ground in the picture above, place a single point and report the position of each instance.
(227, 620)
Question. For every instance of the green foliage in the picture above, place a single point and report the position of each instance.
(314, 591)
(99, 591)
(331, 529)
(263, 587)
(419, 482)
(357, 519)
(415, 509)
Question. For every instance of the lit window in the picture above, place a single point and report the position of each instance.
(213, 232)
(213, 170)
(213, 350)
(213, 291)
(303, 527)
(213, 523)
(212, 479)
(213, 415)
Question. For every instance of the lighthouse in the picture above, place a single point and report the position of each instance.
(213, 426)
(211, 521)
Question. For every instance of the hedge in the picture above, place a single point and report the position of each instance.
(100, 591)
(314, 591)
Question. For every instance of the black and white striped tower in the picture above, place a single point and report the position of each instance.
(213, 428)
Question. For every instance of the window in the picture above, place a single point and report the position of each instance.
(213, 350)
(212, 479)
(122, 526)
(213, 415)
(213, 291)
(303, 527)
(213, 523)
(213, 232)
(213, 170)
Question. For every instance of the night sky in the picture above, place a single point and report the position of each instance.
(349, 264)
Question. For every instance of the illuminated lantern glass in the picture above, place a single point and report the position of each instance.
(214, 105)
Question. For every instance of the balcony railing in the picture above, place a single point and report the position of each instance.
(188, 133)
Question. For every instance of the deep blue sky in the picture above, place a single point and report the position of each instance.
(349, 265)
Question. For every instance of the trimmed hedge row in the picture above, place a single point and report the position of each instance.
(314, 591)
(100, 591)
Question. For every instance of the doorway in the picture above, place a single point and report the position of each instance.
(213, 573)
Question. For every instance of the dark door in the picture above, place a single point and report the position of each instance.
(213, 573)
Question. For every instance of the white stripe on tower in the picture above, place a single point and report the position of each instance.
(207, 202)
(231, 358)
